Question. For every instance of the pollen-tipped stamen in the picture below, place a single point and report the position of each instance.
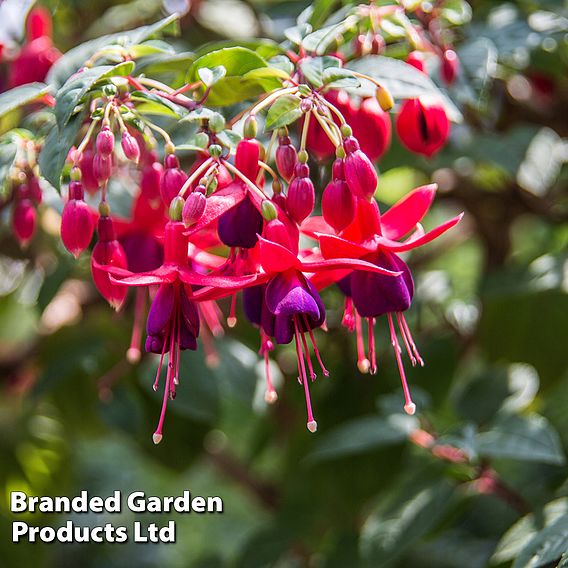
(316, 350)
(372, 350)
(311, 424)
(232, 319)
(311, 371)
(411, 340)
(409, 406)
(405, 340)
(134, 352)
(363, 363)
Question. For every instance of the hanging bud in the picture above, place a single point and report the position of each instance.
(194, 206)
(450, 66)
(24, 218)
(130, 147)
(301, 194)
(77, 224)
(286, 157)
(422, 125)
(250, 128)
(246, 158)
(102, 168)
(417, 60)
(105, 142)
(34, 189)
(359, 171)
(108, 252)
(372, 128)
(269, 211)
(378, 44)
(338, 203)
(173, 179)
(86, 166)
(384, 98)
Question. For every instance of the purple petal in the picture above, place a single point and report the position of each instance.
(154, 344)
(186, 338)
(143, 252)
(283, 329)
(161, 310)
(239, 226)
(287, 295)
(190, 314)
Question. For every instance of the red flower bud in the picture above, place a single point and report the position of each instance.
(173, 179)
(34, 189)
(24, 218)
(194, 208)
(247, 156)
(150, 181)
(105, 141)
(277, 232)
(38, 23)
(130, 147)
(88, 178)
(77, 224)
(359, 171)
(102, 167)
(422, 125)
(286, 158)
(450, 66)
(108, 252)
(301, 194)
(378, 44)
(33, 62)
(416, 59)
(372, 128)
(338, 203)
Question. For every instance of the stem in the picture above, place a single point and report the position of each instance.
(85, 141)
(245, 179)
(326, 129)
(159, 130)
(305, 130)
(195, 175)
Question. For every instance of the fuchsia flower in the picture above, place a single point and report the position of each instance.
(173, 320)
(375, 239)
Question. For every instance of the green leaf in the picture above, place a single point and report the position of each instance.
(321, 40)
(202, 113)
(151, 47)
(456, 12)
(229, 138)
(536, 540)
(363, 435)
(72, 92)
(8, 152)
(20, 96)
(211, 76)
(155, 105)
(313, 68)
(240, 81)
(75, 58)
(56, 147)
(339, 78)
(284, 111)
(296, 34)
(402, 80)
(530, 438)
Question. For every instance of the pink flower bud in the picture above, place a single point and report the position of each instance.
(277, 232)
(338, 203)
(194, 208)
(247, 156)
(150, 181)
(286, 158)
(372, 128)
(108, 252)
(130, 147)
(422, 125)
(88, 178)
(34, 189)
(359, 171)
(102, 167)
(77, 223)
(105, 142)
(450, 66)
(173, 179)
(416, 59)
(301, 194)
(24, 218)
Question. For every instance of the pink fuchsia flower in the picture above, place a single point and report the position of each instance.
(173, 321)
(289, 307)
(77, 221)
(376, 240)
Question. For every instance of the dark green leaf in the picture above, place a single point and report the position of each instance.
(340, 78)
(20, 96)
(313, 68)
(154, 104)
(284, 111)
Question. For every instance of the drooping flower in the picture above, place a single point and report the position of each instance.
(375, 239)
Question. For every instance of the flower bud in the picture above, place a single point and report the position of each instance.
(417, 60)
(450, 66)
(277, 232)
(86, 166)
(108, 252)
(194, 208)
(359, 171)
(102, 167)
(301, 194)
(246, 158)
(372, 128)
(269, 211)
(176, 208)
(250, 128)
(34, 189)
(338, 203)
(378, 44)
(77, 223)
(286, 158)
(24, 218)
(173, 179)
(130, 147)
(422, 125)
(105, 142)
(384, 98)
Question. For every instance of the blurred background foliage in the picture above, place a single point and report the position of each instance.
(478, 479)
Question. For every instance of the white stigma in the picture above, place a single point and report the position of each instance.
(270, 397)
(231, 321)
(133, 355)
(157, 438)
(312, 426)
(410, 408)
(364, 365)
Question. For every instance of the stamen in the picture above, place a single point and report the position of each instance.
(311, 424)
(409, 406)
(157, 379)
(348, 320)
(270, 395)
(363, 363)
(313, 376)
(212, 315)
(411, 341)
(315, 347)
(405, 339)
(372, 355)
(134, 353)
(211, 355)
(232, 319)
